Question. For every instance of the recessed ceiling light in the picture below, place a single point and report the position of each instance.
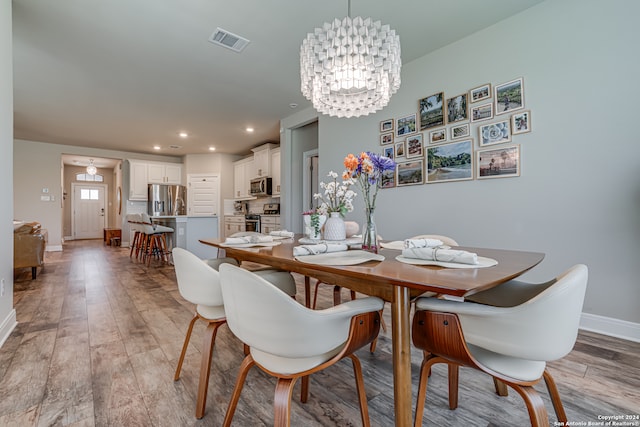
(156, 147)
(249, 129)
(183, 134)
(293, 105)
(212, 148)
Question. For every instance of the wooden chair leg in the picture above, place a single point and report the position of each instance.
(176, 377)
(282, 402)
(453, 371)
(501, 388)
(304, 389)
(246, 364)
(425, 371)
(555, 397)
(362, 395)
(315, 294)
(535, 405)
(34, 273)
(337, 298)
(205, 367)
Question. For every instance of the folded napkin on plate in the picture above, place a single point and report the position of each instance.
(422, 243)
(442, 255)
(320, 248)
(248, 239)
(281, 233)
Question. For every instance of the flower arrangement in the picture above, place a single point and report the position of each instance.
(337, 197)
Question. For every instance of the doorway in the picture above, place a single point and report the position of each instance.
(89, 214)
(309, 179)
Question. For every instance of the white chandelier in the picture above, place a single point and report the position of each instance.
(351, 67)
(91, 169)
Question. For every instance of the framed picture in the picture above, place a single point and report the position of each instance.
(414, 146)
(500, 162)
(388, 179)
(460, 131)
(509, 96)
(386, 125)
(457, 108)
(409, 173)
(386, 138)
(521, 122)
(400, 149)
(388, 152)
(494, 133)
(482, 112)
(450, 162)
(480, 93)
(437, 136)
(431, 111)
(406, 125)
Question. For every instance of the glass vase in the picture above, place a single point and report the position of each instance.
(334, 227)
(370, 233)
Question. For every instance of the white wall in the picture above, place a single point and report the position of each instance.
(578, 199)
(7, 313)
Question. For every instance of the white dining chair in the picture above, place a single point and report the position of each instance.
(199, 283)
(512, 343)
(289, 341)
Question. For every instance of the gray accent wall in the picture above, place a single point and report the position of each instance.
(578, 198)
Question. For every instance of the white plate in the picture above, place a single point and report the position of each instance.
(398, 245)
(341, 258)
(250, 245)
(349, 241)
(482, 262)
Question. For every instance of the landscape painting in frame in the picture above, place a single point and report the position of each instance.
(482, 112)
(409, 173)
(386, 138)
(386, 125)
(480, 93)
(400, 149)
(509, 96)
(450, 162)
(500, 162)
(437, 136)
(460, 131)
(406, 125)
(414, 146)
(457, 108)
(388, 179)
(431, 111)
(521, 122)
(494, 133)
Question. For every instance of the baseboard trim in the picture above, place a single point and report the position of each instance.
(609, 326)
(53, 248)
(7, 326)
(69, 238)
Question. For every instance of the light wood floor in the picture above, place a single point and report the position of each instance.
(99, 336)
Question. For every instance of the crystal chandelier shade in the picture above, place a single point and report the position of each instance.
(91, 169)
(351, 67)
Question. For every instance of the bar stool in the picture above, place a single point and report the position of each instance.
(155, 241)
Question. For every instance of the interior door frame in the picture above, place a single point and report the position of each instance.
(306, 178)
(105, 187)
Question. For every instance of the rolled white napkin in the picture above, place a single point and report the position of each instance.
(422, 243)
(320, 248)
(442, 255)
(282, 233)
(248, 239)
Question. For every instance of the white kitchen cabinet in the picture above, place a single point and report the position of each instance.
(262, 160)
(275, 171)
(137, 180)
(242, 174)
(233, 224)
(269, 223)
(164, 173)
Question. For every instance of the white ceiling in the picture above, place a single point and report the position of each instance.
(129, 74)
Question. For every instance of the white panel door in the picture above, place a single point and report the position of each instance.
(203, 191)
(89, 211)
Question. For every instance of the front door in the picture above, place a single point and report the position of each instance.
(89, 213)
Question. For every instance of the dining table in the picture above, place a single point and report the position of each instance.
(395, 282)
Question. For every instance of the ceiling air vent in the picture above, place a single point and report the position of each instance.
(229, 40)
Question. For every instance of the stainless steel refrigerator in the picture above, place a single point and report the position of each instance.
(166, 200)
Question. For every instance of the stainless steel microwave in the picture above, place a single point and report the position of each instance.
(261, 187)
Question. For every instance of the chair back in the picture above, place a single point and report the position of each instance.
(267, 319)
(197, 282)
(444, 239)
(543, 328)
(134, 221)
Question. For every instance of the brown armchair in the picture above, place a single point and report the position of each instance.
(29, 241)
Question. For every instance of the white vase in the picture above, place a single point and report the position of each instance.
(334, 227)
(310, 230)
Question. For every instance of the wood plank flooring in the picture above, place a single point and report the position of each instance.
(99, 336)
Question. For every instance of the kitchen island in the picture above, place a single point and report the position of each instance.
(188, 230)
